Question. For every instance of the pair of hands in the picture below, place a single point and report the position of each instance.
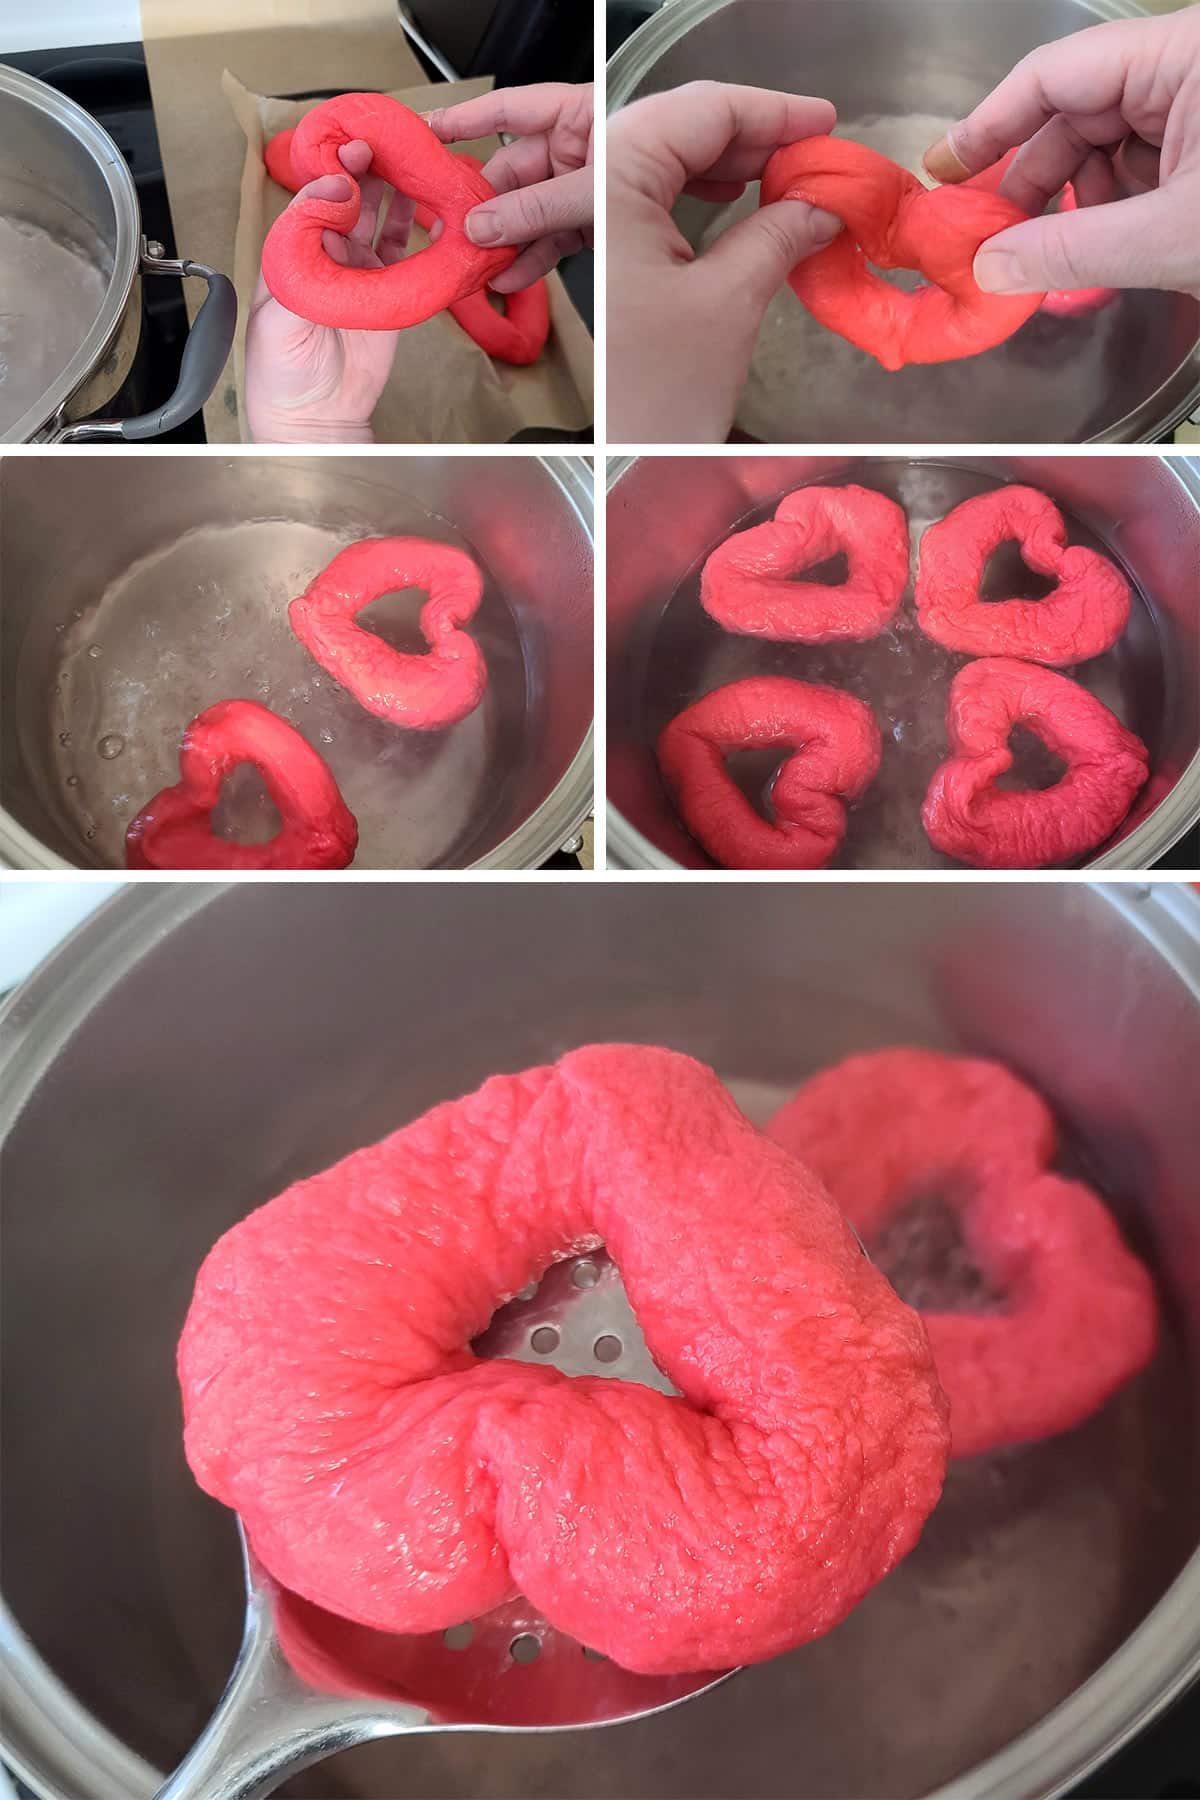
(1114, 110)
(313, 384)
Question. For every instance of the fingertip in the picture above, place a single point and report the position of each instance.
(356, 156)
(998, 271)
(943, 162)
(484, 226)
(326, 187)
(823, 226)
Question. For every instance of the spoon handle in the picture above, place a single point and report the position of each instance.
(269, 1725)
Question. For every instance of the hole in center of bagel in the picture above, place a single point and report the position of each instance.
(245, 812)
(396, 618)
(922, 1251)
(1035, 766)
(754, 773)
(907, 280)
(833, 572)
(1008, 576)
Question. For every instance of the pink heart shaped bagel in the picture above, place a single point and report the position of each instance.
(748, 583)
(300, 271)
(387, 1474)
(835, 750)
(424, 693)
(966, 815)
(1078, 1317)
(174, 830)
(1084, 616)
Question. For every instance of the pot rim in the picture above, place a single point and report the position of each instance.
(556, 818)
(1094, 1721)
(27, 90)
(1160, 412)
(1158, 832)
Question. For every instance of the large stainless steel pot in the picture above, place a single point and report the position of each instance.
(139, 590)
(900, 71)
(666, 513)
(70, 284)
(193, 1049)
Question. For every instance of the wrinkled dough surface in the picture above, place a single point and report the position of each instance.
(747, 584)
(889, 1127)
(423, 693)
(835, 751)
(966, 815)
(385, 1473)
(1083, 617)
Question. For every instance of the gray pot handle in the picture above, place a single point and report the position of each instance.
(204, 356)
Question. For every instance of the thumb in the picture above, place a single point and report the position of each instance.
(759, 253)
(1136, 243)
(523, 215)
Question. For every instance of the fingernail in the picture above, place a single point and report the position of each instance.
(944, 163)
(824, 226)
(483, 227)
(999, 272)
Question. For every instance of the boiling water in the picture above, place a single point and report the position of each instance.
(902, 675)
(202, 618)
(38, 339)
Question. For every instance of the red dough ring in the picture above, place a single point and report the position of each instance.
(896, 223)
(299, 270)
(385, 1473)
(1083, 617)
(317, 829)
(748, 584)
(965, 815)
(835, 747)
(517, 335)
(1065, 303)
(424, 693)
(1080, 1317)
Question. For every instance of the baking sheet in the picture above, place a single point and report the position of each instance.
(443, 389)
(280, 46)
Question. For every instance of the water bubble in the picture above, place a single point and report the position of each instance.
(72, 781)
(64, 737)
(326, 737)
(110, 746)
(94, 651)
(78, 613)
(90, 833)
(61, 626)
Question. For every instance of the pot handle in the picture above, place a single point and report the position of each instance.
(204, 356)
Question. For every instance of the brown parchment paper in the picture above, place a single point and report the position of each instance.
(443, 388)
(279, 46)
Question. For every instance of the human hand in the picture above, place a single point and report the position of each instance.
(314, 384)
(543, 179)
(681, 325)
(1116, 111)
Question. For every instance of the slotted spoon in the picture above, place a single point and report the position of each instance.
(307, 1684)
